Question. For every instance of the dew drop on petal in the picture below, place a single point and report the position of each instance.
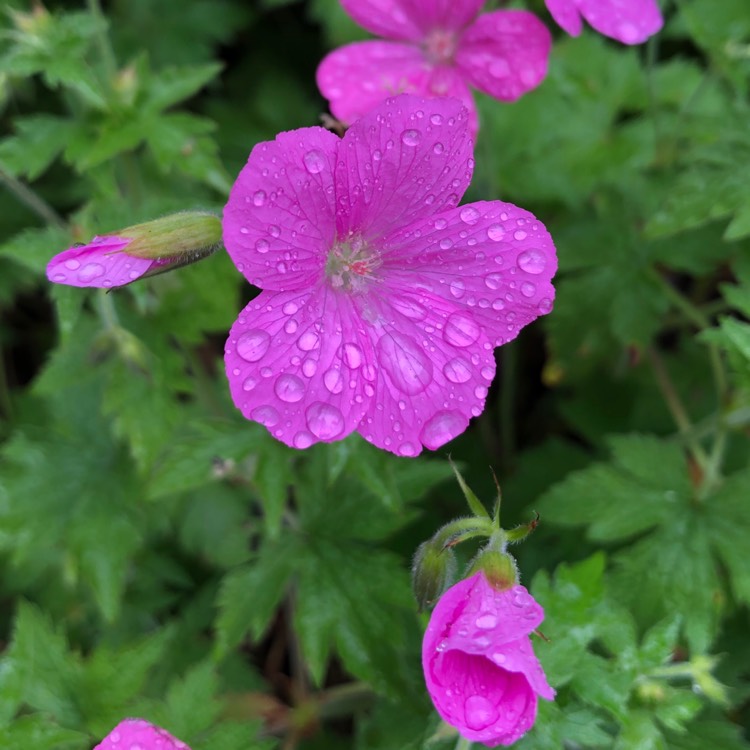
(259, 198)
(266, 415)
(457, 370)
(333, 381)
(498, 658)
(436, 119)
(308, 341)
(407, 449)
(442, 427)
(446, 243)
(407, 365)
(469, 215)
(461, 329)
(274, 230)
(309, 367)
(479, 712)
(519, 234)
(252, 345)
(314, 161)
(352, 356)
(72, 264)
(457, 288)
(411, 137)
(488, 373)
(303, 439)
(325, 421)
(91, 271)
(493, 281)
(486, 620)
(528, 289)
(441, 224)
(545, 305)
(249, 384)
(59, 277)
(496, 232)
(532, 261)
(438, 148)
(289, 388)
(289, 308)
(262, 246)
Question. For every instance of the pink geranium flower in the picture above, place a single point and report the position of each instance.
(103, 262)
(435, 48)
(478, 662)
(130, 734)
(383, 300)
(628, 21)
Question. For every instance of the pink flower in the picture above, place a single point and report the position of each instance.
(138, 733)
(628, 21)
(103, 262)
(382, 299)
(436, 48)
(478, 662)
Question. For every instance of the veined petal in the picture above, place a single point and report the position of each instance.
(493, 259)
(300, 364)
(435, 366)
(630, 23)
(505, 53)
(447, 15)
(279, 221)
(566, 15)
(101, 263)
(391, 19)
(357, 77)
(409, 158)
(519, 656)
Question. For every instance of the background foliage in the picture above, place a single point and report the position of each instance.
(162, 557)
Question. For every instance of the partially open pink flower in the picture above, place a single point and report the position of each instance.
(103, 262)
(132, 734)
(435, 48)
(383, 300)
(478, 662)
(628, 21)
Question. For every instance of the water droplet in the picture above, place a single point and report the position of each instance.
(429, 199)
(442, 427)
(289, 388)
(457, 288)
(274, 231)
(259, 198)
(407, 449)
(352, 356)
(446, 243)
(411, 137)
(290, 326)
(545, 305)
(334, 381)
(249, 384)
(289, 308)
(532, 261)
(461, 329)
(469, 215)
(266, 415)
(498, 658)
(486, 620)
(438, 148)
(479, 712)
(496, 232)
(628, 33)
(457, 370)
(252, 345)
(72, 264)
(493, 280)
(436, 119)
(441, 224)
(528, 289)
(441, 646)
(488, 373)
(309, 367)
(407, 365)
(91, 271)
(377, 155)
(262, 246)
(59, 277)
(303, 439)
(315, 161)
(308, 341)
(519, 234)
(324, 420)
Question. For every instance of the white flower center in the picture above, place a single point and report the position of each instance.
(351, 264)
(440, 47)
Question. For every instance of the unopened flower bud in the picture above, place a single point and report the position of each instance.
(139, 251)
(432, 571)
(499, 568)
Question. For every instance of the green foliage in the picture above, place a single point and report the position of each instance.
(162, 557)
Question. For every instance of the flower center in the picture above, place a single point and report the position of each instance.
(440, 47)
(351, 264)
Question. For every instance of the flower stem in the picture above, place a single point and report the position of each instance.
(463, 744)
(29, 198)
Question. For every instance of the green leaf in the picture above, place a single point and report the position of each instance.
(39, 140)
(38, 732)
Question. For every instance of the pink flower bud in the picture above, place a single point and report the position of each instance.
(130, 734)
(478, 662)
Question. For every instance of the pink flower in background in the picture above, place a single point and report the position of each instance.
(436, 48)
(628, 21)
(383, 300)
(130, 734)
(103, 262)
(478, 662)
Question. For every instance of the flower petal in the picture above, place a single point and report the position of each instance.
(391, 19)
(566, 15)
(630, 23)
(505, 53)
(138, 733)
(101, 263)
(279, 221)
(408, 158)
(446, 15)
(518, 656)
(435, 366)
(357, 77)
(300, 364)
(492, 258)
